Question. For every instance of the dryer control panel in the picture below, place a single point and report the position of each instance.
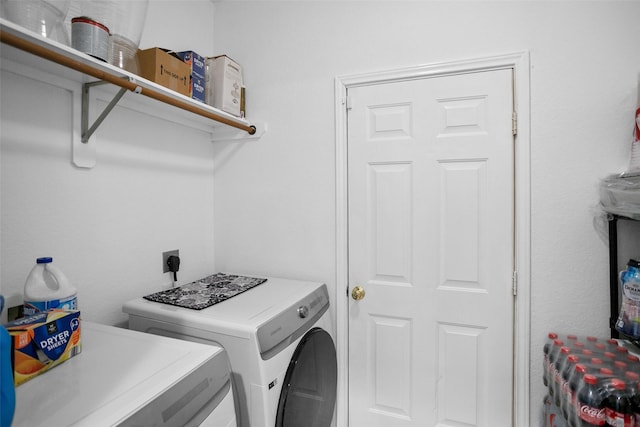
(292, 323)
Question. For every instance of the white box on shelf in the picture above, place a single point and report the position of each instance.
(223, 84)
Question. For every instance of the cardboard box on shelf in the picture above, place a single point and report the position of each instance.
(224, 84)
(197, 76)
(43, 341)
(161, 67)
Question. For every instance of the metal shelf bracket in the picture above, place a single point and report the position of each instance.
(86, 88)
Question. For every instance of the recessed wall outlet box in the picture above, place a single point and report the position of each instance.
(165, 255)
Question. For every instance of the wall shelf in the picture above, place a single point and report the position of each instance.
(24, 48)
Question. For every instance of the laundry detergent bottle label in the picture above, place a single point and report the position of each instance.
(68, 303)
(629, 319)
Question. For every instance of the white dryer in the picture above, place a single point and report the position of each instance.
(278, 337)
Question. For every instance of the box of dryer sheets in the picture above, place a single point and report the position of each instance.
(197, 77)
(161, 67)
(43, 341)
(195, 61)
(197, 88)
(223, 84)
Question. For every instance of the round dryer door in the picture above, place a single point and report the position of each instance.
(308, 394)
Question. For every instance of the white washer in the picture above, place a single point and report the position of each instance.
(126, 378)
(278, 336)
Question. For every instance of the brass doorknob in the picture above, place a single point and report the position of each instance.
(358, 293)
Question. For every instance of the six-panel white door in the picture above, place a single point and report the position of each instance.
(431, 242)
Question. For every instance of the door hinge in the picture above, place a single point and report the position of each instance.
(514, 123)
(514, 283)
(348, 103)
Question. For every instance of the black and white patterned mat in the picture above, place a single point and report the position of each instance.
(206, 292)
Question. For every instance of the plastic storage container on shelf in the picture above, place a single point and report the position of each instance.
(620, 195)
(47, 287)
(45, 17)
(125, 21)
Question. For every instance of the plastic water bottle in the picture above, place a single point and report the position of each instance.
(618, 406)
(548, 345)
(571, 400)
(563, 390)
(553, 355)
(634, 390)
(558, 367)
(591, 411)
(47, 287)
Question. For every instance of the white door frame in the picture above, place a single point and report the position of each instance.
(519, 62)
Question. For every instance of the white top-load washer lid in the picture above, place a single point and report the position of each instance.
(275, 311)
(127, 378)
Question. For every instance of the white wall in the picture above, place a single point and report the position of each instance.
(106, 228)
(153, 188)
(275, 199)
